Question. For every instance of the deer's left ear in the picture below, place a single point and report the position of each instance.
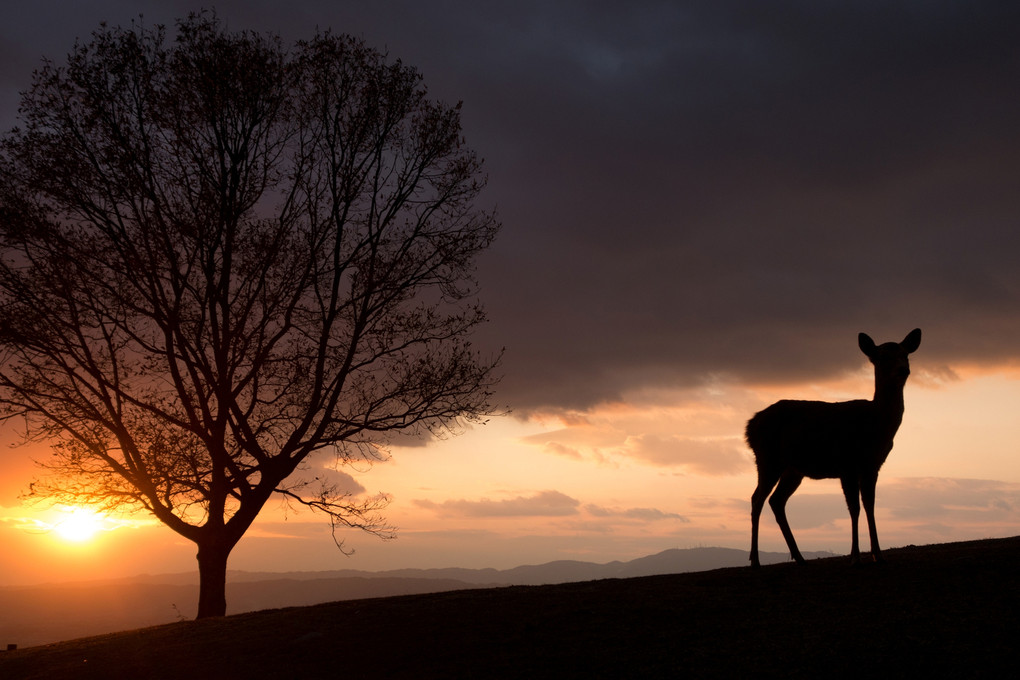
(912, 341)
(866, 344)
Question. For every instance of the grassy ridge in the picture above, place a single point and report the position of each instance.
(940, 610)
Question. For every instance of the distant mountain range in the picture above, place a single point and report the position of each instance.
(33, 615)
(672, 561)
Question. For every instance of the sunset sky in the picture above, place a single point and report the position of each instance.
(703, 203)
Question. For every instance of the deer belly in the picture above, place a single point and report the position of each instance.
(825, 462)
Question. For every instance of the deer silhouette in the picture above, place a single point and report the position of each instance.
(848, 441)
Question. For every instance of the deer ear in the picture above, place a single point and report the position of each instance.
(866, 344)
(912, 341)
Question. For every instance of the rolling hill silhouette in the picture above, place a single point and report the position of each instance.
(37, 615)
(940, 611)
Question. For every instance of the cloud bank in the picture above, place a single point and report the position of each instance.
(702, 189)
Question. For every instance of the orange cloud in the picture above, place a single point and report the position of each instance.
(543, 504)
(644, 514)
(707, 456)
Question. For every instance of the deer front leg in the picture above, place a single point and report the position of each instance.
(788, 483)
(761, 493)
(868, 498)
(851, 491)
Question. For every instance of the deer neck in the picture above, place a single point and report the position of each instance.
(889, 402)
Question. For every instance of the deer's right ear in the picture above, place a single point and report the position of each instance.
(866, 344)
(912, 341)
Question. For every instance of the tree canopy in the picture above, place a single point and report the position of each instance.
(220, 255)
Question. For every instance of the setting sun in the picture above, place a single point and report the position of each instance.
(78, 525)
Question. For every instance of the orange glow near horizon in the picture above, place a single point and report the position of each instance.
(79, 525)
(662, 469)
(68, 525)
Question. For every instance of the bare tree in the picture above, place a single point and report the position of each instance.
(219, 256)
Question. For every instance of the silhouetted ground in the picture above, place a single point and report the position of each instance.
(936, 611)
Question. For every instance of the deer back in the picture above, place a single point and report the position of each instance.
(820, 439)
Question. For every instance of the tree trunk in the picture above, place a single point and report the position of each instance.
(212, 579)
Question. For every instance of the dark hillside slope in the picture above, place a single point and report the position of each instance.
(938, 611)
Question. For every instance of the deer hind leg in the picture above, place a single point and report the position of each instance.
(788, 483)
(868, 498)
(852, 491)
(766, 481)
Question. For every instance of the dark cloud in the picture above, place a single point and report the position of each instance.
(694, 189)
